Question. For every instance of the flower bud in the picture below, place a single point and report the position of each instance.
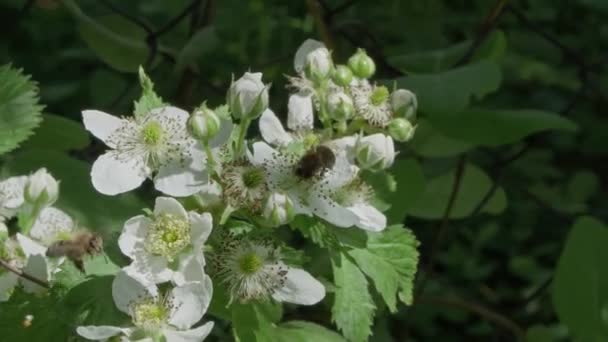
(318, 65)
(361, 64)
(278, 209)
(340, 106)
(248, 96)
(404, 104)
(375, 152)
(204, 124)
(342, 75)
(41, 188)
(401, 129)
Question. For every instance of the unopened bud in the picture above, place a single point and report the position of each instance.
(375, 152)
(342, 75)
(41, 188)
(404, 104)
(278, 209)
(204, 124)
(318, 65)
(340, 106)
(248, 96)
(361, 64)
(401, 129)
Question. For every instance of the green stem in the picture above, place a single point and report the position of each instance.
(210, 159)
(241, 140)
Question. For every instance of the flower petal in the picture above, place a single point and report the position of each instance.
(168, 205)
(300, 288)
(223, 135)
(149, 268)
(369, 218)
(133, 233)
(180, 181)
(101, 124)
(190, 268)
(174, 114)
(126, 289)
(98, 332)
(36, 266)
(190, 302)
(112, 176)
(272, 130)
(50, 223)
(201, 225)
(11, 192)
(8, 281)
(300, 115)
(331, 211)
(29, 246)
(307, 47)
(341, 174)
(192, 335)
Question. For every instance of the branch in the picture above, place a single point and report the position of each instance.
(315, 11)
(24, 275)
(480, 310)
(175, 21)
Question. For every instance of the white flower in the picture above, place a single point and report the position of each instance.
(24, 254)
(254, 270)
(41, 188)
(168, 245)
(155, 316)
(375, 152)
(299, 120)
(244, 185)
(248, 96)
(372, 103)
(336, 195)
(11, 195)
(309, 45)
(51, 225)
(156, 146)
(278, 209)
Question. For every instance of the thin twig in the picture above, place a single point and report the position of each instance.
(127, 15)
(344, 6)
(482, 311)
(24, 275)
(175, 21)
(316, 12)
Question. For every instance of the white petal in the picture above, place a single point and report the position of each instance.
(36, 266)
(49, 223)
(341, 174)
(193, 335)
(11, 192)
(101, 124)
(133, 233)
(331, 211)
(272, 130)
(126, 289)
(300, 115)
(97, 333)
(369, 218)
(29, 246)
(262, 153)
(300, 288)
(223, 135)
(180, 181)
(168, 205)
(346, 144)
(149, 268)
(307, 47)
(191, 268)
(173, 113)
(112, 176)
(8, 281)
(201, 225)
(189, 303)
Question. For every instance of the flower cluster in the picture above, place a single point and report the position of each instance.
(239, 188)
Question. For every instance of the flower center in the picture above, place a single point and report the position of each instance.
(379, 95)
(149, 314)
(168, 236)
(250, 263)
(152, 133)
(253, 177)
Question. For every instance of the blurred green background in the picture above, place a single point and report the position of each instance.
(510, 150)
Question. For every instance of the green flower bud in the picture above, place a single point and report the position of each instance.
(248, 96)
(319, 65)
(204, 124)
(375, 152)
(401, 129)
(342, 75)
(41, 188)
(404, 104)
(278, 209)
(361, 64)
(340, 106)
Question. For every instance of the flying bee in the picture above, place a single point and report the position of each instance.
(81, 244)
(314, 162)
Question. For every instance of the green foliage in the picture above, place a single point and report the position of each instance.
(58, 133)
(302, 331)
(20, 112)
(430, 142)
(580, 292)
(202, 43)
(409, 186)
(149, 99)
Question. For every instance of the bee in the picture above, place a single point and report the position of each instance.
(315, 162)
(81, 244)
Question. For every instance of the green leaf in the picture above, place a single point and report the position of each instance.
(429, 142)
(149, 99)
(20, 112)
(497, 127)
(474, 185)
(493, 48)
(410, 184)
(117, 41)
(539, 333)
(451, 91)
(580, 291)
(58, 133)
(301, 331)
(353, 309)
(203, 42)
(93, 298)
(250, 322)
(390, 260)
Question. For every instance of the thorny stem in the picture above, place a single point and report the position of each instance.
(24, 275)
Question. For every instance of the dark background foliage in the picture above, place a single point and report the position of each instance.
(489, 192)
